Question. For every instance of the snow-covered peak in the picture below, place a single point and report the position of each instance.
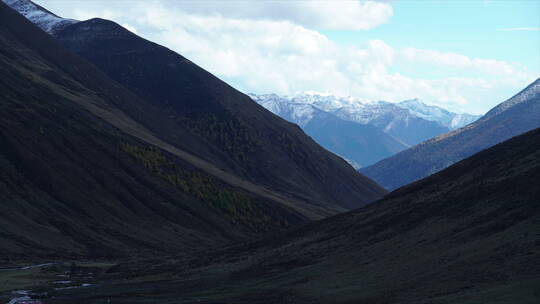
(38, 15)
(299, 108)
(438, 114)
(328, 102)
(314, 110)
(299, 113)
(420, 109)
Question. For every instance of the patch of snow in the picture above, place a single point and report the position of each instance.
(298, 113)
(446, 118)
(41, 17)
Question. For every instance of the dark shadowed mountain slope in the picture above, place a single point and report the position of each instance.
(81, 178)
(192, 110)
(512, 117)
(238, 135)
(468, 234)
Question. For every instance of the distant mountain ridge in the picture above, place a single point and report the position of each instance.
(382, 128)
(365, 111)
(516, 115)
(359, 144)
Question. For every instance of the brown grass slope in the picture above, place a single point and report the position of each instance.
(468, 234)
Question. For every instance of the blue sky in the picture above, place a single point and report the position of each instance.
(474, 28)
(462, 55)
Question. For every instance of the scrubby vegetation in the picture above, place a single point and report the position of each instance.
(236, 205)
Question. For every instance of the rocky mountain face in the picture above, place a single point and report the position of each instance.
(92, 169)
(515, 116)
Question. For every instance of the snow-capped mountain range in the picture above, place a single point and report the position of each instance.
(40, 16)
(299, 113)
(359, 144)
(299, 109)
(388, 127)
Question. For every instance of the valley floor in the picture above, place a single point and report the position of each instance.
(147, 282)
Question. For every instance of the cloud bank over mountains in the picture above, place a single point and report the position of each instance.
(278, 46)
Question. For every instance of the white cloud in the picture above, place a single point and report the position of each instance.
(459, 61)
(273, 47)
(80, 14)
(284, 57)
(319, 14)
